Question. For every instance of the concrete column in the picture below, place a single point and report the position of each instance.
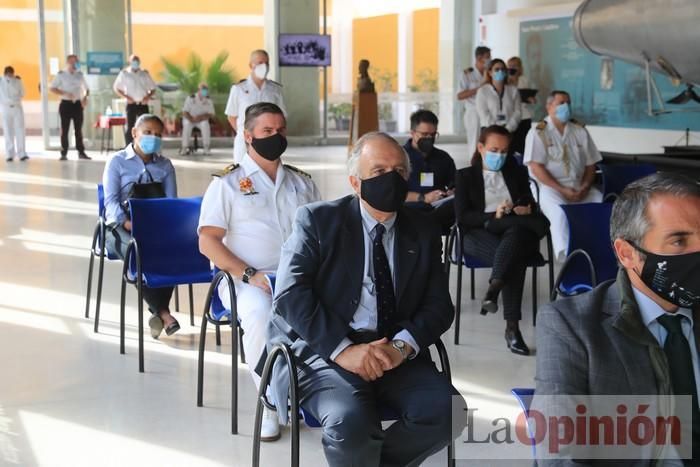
(458, 24)
(343, 70)
(100, 28)
(301, 85)
(405, 67)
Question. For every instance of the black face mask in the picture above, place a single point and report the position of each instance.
(271, 148)
(425, 145)
(675, 278)
(512, 71)
(385, 192)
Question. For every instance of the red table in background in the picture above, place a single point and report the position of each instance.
(106, 123)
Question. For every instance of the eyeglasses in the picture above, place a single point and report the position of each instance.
(421, 134)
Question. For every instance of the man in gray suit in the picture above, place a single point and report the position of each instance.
(635, 335)
(360, 296)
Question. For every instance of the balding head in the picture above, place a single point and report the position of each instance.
(259, 56)
(374, 154)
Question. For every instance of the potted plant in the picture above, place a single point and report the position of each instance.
(341, 113)
(384, 83)
(187, 77)
(426, 82)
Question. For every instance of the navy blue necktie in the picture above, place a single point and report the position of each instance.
(386, 301)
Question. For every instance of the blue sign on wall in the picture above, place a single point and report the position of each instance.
(104, 63)
(603, 91)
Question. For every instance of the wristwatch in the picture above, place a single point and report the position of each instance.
(248, 273)
(421, 197)
(401, 347)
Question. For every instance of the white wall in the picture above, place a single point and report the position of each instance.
(503, 36)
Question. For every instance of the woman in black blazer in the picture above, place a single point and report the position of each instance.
(501, 225)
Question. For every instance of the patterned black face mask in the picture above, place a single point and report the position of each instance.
(675, 278)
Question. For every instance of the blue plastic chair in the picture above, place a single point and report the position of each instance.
(454, 247)
(617, 176)
(590, 258)
(98, 249)
(282, 350)
(524, 397)
(163, 252)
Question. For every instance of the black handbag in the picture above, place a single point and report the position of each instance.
(143, 190)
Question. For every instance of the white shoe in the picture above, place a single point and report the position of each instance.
(270, 429)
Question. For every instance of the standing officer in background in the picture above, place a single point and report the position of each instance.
(11, 94)
(256, 88)
(246, 216)
(137, 87)
(470, 82)
(70, 84)
(196, 112)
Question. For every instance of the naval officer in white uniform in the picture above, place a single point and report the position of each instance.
(196, 112)
(470, 82)
(11, 94)
(255, 88)
(246, 216)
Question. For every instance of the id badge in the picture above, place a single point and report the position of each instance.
(501, 118)
(427, 179)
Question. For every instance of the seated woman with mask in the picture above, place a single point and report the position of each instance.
(139, 166)
(501, 225)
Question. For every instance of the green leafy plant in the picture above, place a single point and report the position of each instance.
(426, 81)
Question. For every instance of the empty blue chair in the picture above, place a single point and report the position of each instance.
(282, 350)
(454, 248)
(163, 252)
(617, 176)
(524, 397)
(590, 259)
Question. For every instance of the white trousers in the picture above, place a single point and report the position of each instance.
(254, 314)
(239, 148)
(188, 126)
(471, 124)
(13, 130)
(550, 202)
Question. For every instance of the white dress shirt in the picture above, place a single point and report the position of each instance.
(565, 156)
(495, 190)
(497, 109)
(471, 79)
(72, 83)
(11, 91)
(137, 84)
(197, 105)
(365, 317)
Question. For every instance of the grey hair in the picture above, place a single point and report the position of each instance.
(629, 220)
(254, 111)
(258, 52)
(553, 95)
(357, 148)
(144, 118)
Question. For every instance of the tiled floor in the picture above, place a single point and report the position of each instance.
(67, 398)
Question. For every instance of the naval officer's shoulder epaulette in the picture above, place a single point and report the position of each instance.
(299, 171)
(226, 171)
(469, 70)
(16, 76)
(577, 123)
(242, 81)
(274, 82)
(541, 125)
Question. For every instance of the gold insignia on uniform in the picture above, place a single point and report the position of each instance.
(541, 125)
(576, 122)
(299, 171)
(226, 170)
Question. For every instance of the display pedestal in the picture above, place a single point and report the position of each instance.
(364, 115)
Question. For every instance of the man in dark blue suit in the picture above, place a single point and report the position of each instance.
(360, 296)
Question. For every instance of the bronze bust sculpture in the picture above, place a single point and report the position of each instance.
(364, 83)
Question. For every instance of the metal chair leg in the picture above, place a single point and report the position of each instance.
(90, 267)
(189, 286)
(218, 335)
(139, 292)
(286, 353)
(472, 283)
(122, 317)
(240, 344)
(177, 299)
(200, 359)
(534, 296)
(100, 277)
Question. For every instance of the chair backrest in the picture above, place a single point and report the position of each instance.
(524, 397)
(100, 200)
(617, 176)
(589, 230)
(165, 230)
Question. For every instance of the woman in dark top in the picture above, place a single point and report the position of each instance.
(501, 225)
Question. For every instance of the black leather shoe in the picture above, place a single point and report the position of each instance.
(84, 156)
(515, 342)
(490, 303)
(63, 157)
